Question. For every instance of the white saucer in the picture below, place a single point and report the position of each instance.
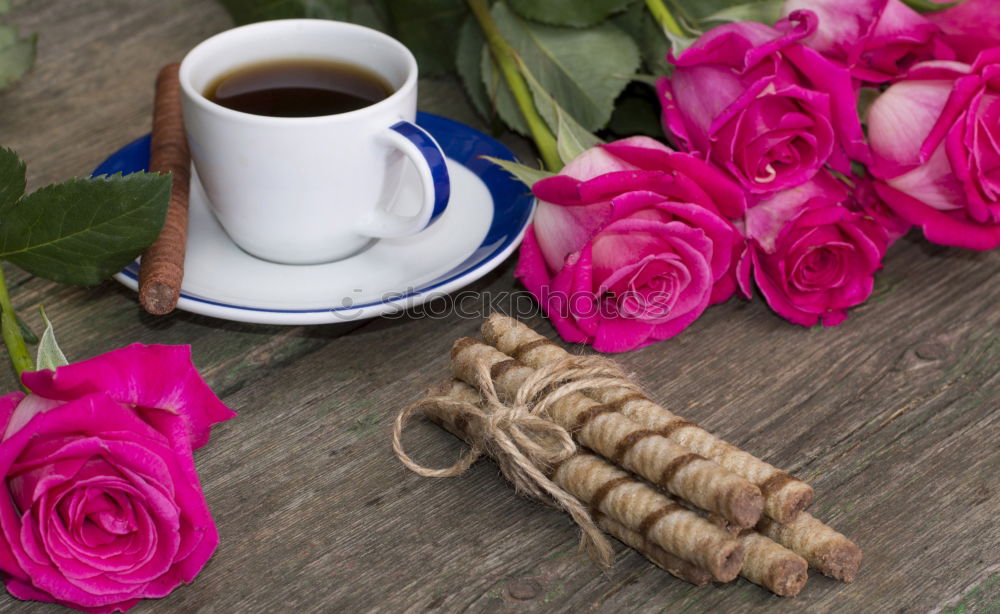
(484, 222)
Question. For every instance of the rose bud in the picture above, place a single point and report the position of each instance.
(752, 100)
(811, 257)
(876, 39)
(103, 505)
(630, 243)
(936, 140)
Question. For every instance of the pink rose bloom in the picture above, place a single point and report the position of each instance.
(770, 111)
(876, 39)
(865, 200)
(936, 140)
(969, 27)
(811, 256)
(103, 503)
(630, 243)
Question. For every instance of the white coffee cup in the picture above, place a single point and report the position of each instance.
(304, 190)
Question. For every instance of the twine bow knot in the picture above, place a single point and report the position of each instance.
(520, 436)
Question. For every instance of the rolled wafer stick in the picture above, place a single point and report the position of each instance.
(784, 495)
(162, 266)
(675, 566)
(613, 493)
(827, 550)
(670, 563)
(772, 566)
(622, 441)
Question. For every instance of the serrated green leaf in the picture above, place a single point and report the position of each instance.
(655, 44)
(16, 55)
(527, 175)
(12, 178)
(575, 138)
(500, 95)
(571, 139)
(573, 13)
(84, 230)
(694, 11)
(468, 64)
(583, 70)
(763, 11)
(428, 28)
(49, 355)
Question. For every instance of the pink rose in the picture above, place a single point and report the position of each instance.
(765, 108)
(969, 27)
(865, 200)
(876, 39)
(103, 503)
(630, 243)
(936, 140)
(810, 255)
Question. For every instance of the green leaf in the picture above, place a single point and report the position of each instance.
(693, 11)
(763, 11)
(16, 54)
(583, 70)
(429, 29)
(572, 139)
(574, 13)
(49, 355)
(499, 93)
(656, 43)
(12, 178)
(84, 230)
(250, 11)
(29, 335)
(929, 6)
(527, 175)
(468, 64)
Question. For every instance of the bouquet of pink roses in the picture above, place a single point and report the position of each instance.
(773, 176)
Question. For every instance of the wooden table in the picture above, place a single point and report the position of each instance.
(892, 416)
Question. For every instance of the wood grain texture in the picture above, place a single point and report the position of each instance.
(893, 416)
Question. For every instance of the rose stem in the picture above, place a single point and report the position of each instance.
(12, 338)
(784, 496)
(505, 59)
(662, 15)
(614, 493)
(161, 269)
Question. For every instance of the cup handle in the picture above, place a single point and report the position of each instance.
(423, 151)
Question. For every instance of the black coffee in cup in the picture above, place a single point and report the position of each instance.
(298, 88)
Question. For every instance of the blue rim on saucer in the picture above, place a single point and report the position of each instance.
(512, 209)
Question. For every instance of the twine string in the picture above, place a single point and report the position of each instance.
(519, 434)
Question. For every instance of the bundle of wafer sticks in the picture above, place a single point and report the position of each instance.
(577, 433)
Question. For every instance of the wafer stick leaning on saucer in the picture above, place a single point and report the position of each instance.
(161, 268)
(629, 503)
(828, 551)
(622, 441)
(784, 495)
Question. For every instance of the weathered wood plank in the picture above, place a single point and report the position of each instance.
(892, 416)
